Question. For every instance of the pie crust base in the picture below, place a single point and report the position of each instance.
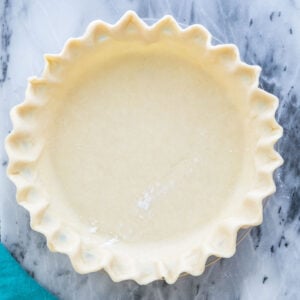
(143, 150)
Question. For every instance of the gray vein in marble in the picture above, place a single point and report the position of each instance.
(5, 39)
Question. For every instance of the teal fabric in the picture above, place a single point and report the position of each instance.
(15, 283)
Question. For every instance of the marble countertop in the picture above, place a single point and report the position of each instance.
(267, 262)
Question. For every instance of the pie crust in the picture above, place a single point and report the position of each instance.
(143, 150)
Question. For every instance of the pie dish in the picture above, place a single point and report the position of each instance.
(143, 150)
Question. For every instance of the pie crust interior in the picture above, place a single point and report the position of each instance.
(143, 150)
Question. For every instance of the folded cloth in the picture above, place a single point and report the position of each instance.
(15, 283)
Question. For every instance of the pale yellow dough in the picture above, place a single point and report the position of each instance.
(144, 146)
(144, 150)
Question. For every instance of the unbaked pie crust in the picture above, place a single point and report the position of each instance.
(143, 150)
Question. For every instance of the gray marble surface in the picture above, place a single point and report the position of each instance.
(267, 263)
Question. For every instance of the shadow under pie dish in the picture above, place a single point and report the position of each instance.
(143, 150)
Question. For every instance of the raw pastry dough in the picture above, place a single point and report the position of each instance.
(143, 151)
